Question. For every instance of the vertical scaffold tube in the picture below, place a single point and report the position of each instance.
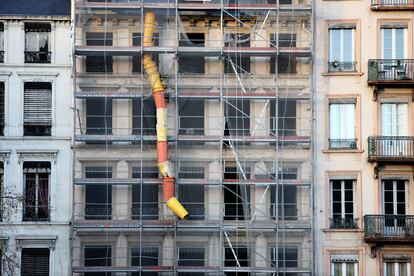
(164, 164)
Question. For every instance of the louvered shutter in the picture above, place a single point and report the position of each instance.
(1, 105)
(37, 107)
(35, 262)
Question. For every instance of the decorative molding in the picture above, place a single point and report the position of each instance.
(30, 241)
(5, 155)
(5, 73)
(37, 155)
(37, 74)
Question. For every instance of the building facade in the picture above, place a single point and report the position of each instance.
(237, 88)
(36, 130)
(364, 148)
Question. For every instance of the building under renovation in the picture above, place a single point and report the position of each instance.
(192, 151)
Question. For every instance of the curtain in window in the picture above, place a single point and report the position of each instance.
(393, 42)
(341, 45)
(394, 118)
(341, 121)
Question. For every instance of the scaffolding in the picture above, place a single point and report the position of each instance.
(237, 80)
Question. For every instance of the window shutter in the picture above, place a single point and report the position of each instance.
(38, 107)
(1, 104)
(35, 262)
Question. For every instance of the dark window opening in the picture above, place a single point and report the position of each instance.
(99, 64)
(230, 260)
(37, 43)
(144, 257)
(99, 116)
(191, 256)
(98, 255)
(36, 191)
(287, 258)
(236, 196)
(286, 116)
(2, 108)
(240, 63)
(191, 172)
(192, 198)
(1, 195)
(145, 196)
(136, 60)
(37, 108)
(145, 118)
(1, 42)
(284, 196)
(286, 63)
(35, 262)
(191, 64)
(237, 114)
(98, 197)
(191, 116)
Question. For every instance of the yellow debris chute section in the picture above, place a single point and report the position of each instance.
(164, 164)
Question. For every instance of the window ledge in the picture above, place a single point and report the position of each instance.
(355, 230)
(343, 151)
(328, 74)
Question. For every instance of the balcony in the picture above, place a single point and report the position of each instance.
(342, 144)
(37, 57)
(336, 66)
(388, 228)
(391, 5)
(391, 149)
(343, 223)
(391, 72)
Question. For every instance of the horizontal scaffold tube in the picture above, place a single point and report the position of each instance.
(164, 164)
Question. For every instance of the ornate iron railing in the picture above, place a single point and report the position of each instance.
(336, 66)
(343, 223)
(37, 57)
(342, 144)
(389, 227)
(391, 148)
(390, 70)
(401, 4)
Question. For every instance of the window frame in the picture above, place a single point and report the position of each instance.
(49, 53)
(343, 201)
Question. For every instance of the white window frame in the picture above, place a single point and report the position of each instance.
(344, 268)
(341, 44)
(394, 191)
(343, 118)
(395, 122)
(393, 42)
(397, 268)
(343, 197)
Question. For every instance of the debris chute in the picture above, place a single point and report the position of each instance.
(164, 164)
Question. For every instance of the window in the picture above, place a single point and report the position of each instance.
(99, 116)
(190, 172)
(136, 60)
(394, 198)
(36, 191)
(35, 262)
(145, 256)
(145, 195)
(99, 64)
(98, 255)
(1, 194)
(284, 196)
(394, 119)
(37, 108)
(37, 48)
(342, 204)
(236, 196)
(191, 113)
(342, 48)
(286, 62)
(237, 114)
(287, 258)
(1, 42)
(286, 116)
(192, 198)
(191, 64)
(342, 124)
(393, 41)
(235, 256)
(397, 265)
(145, 118)
(98, 197)
(237, 63)
(191, 256)
(2, 108)
(344, 265)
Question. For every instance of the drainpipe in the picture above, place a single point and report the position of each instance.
(163, 163)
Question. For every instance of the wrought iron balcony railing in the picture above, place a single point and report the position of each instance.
(389, 228)
(391, 71)
(391, 148)
(343, 223)
(392, 5)
(36, 213)
(342, 144)
(336, 66)
(37, 57)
